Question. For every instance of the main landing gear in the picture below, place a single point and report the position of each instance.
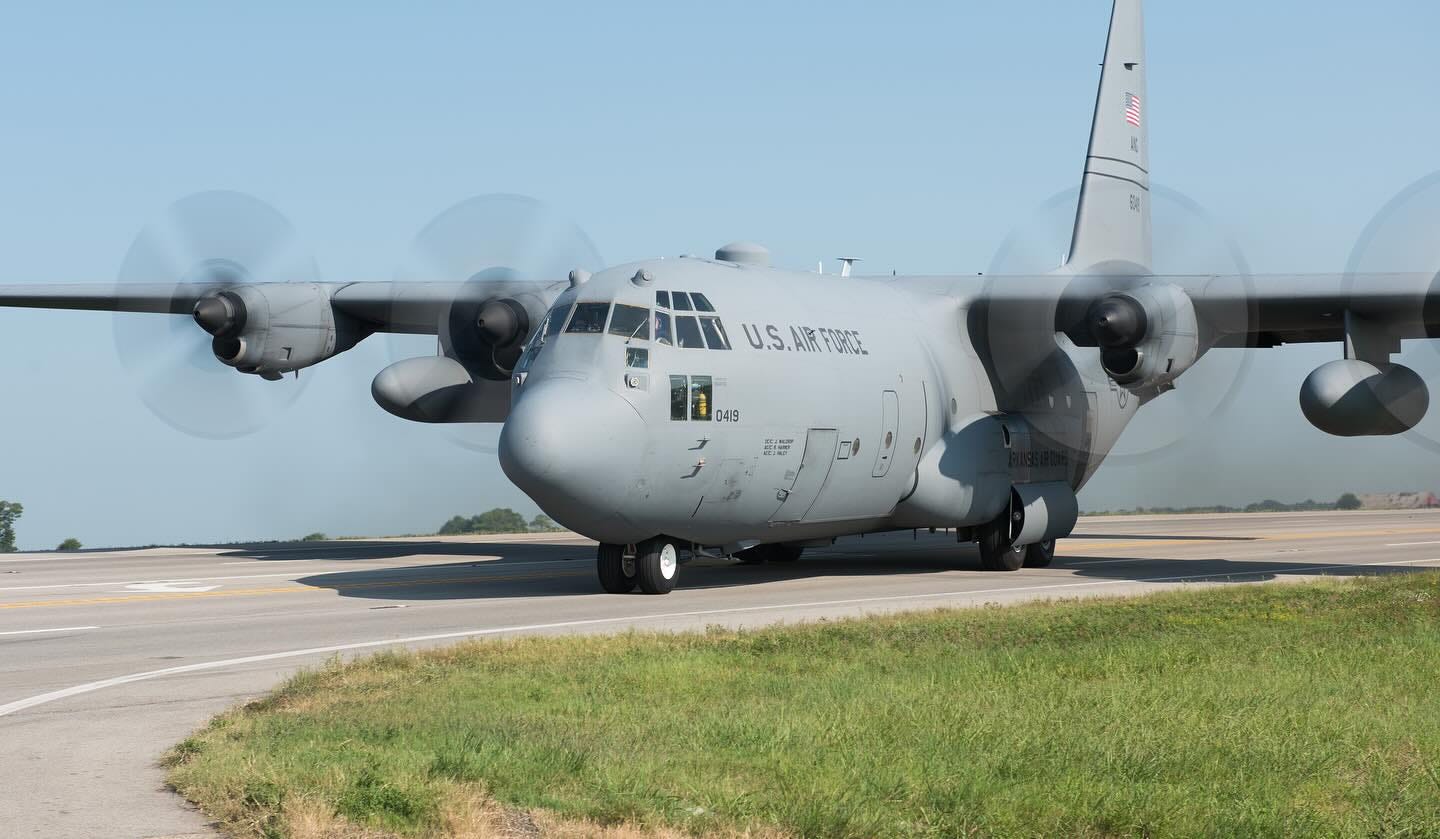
(654, 566)
(997, 553)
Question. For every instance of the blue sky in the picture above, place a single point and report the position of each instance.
(916, 135)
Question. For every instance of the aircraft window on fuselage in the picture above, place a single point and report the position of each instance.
(679, 398)
(589, 318)
(557, 321)
(662, 299)
(688, 331)
(702, 303)
(702, 397)
(715, 333)
(662, 329)
(630, 322)
(681, 301)
(637, 357)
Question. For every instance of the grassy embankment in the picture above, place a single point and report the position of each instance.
(1295, 710)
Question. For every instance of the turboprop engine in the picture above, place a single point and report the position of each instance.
(1147, 335)
(1354, 398)
(481, 338)
(276, 328)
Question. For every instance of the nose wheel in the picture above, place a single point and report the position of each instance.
(653, 566)
(616, 570)
(657, 565)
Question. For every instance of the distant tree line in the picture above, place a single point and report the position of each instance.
(498, 520)
(1348, 501)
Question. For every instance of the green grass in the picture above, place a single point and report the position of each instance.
(1294, 710)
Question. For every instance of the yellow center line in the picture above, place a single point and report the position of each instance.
(249, 592)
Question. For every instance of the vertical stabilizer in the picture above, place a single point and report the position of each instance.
(1112, 225)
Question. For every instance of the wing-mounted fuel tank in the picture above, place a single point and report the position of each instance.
(1147, 336)
(1354, 398)
(439, 389)
(276, 328)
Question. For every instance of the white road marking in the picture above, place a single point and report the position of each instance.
(1411, 544)
(168, 588)
(91, 687)
(56, 629)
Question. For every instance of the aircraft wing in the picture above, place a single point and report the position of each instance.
(1266, 311)
(412, 307)
(159, 298)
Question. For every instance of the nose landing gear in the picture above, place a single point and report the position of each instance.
(654, 566)
(617, 571)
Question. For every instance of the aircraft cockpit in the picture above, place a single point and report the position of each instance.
(678, 319)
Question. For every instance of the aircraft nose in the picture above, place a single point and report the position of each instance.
(575, 448)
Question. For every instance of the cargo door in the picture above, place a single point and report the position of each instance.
(796, 498)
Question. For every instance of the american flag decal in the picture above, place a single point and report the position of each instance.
(1132, 109)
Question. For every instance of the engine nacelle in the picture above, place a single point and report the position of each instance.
(1147, 336)
(1353, 398)
(487, 324)
(276, 328)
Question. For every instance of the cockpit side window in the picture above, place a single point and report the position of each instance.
(702, 396)
(662, 299)
(688, 331)
(715, 333)
(702, 303)
(662, 329)
(681, 301)
(556, 322)
(630, 322)
(589, 318)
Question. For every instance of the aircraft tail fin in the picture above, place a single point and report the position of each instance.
(1112, 223)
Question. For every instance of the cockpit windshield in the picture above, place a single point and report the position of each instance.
(630, 322)
(589, 318)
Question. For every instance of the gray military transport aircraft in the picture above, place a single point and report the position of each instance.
(668, 408)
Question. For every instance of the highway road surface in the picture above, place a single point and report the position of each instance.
(109, 657)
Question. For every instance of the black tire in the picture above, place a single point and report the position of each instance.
(996, 552)
(1040, 554)
(617, 573)
(657, 565)
(784, 553)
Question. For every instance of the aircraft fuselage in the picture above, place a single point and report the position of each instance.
(799, 407)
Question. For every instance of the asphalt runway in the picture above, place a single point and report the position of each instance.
(108, 658)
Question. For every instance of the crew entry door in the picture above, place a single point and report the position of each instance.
(796, 499)
(889, 429)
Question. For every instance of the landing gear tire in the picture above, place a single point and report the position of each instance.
(996, 552)
(617, 571)
(657, 565)
(1040, 554)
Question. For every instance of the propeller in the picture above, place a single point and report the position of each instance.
(1404, 237)
(1186, 240)
(490, 242)
(208, 237)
